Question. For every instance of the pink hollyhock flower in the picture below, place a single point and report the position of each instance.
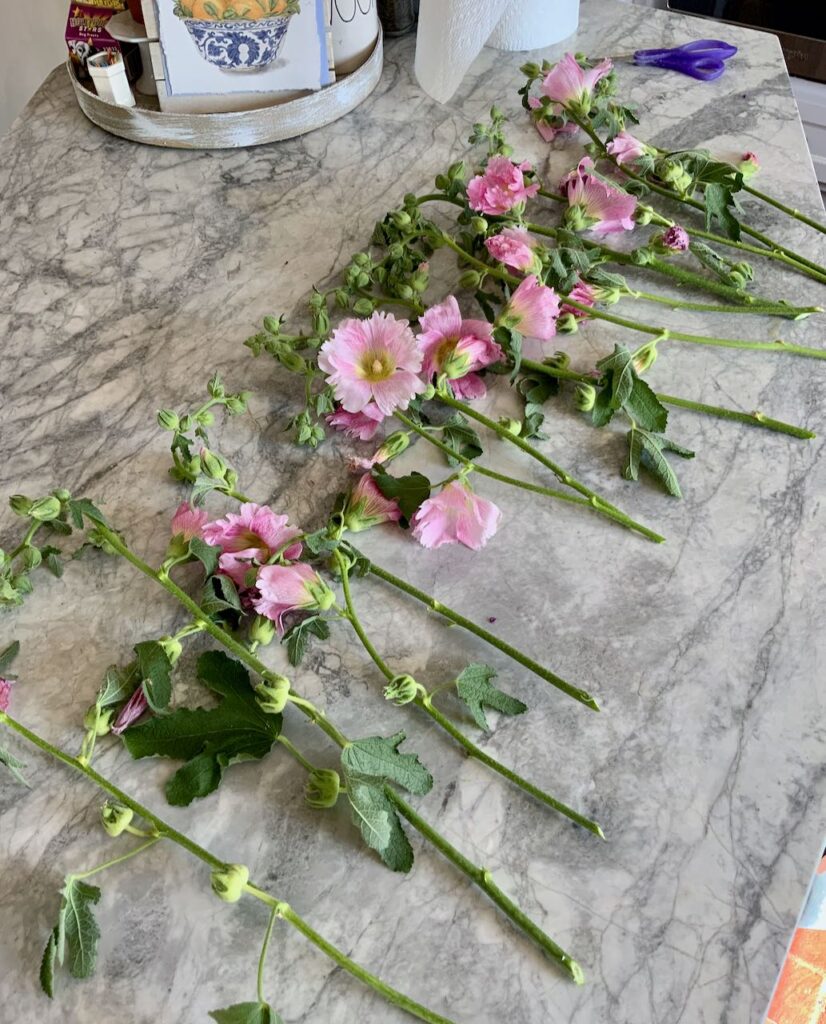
(131, 711)
(572, 86)
(188, 522)
(581, 292)
(675, 238)
(367, 506)
(457, 348)
(551, 125)
(515, 248)
(372, 361)
(594, 204)
(5, 694)
(290, 588)
(532, 310)
(455, 516)
(391, 448)
(361, 426)
(501, 186)
(749, 165)
(252, 535)
(626, 149)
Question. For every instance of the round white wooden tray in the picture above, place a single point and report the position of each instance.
(231, 130)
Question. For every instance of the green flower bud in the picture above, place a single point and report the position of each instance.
(643, 214)
(168, 420)
(576, 219)
(206, 418)
(237, 403)
(396, 251)
(401, 690)
(512, 426)
(31, 558)
(442, 182)
(429, 392)
(45, 509)
(567, 323)
(101, 721)
(362, 259)
(584, 397)
(531, 70)
(363, 307)
(645, 357)
(228, 883)
(745, 269)
(272, 696)
(215, 387)
(172, 648)
(401, 219)
(457, 170)
(643, 256)
(342, 298)
(213, 465)
(323, 787)
(321, 318)
(322, 595)
(393, 446)
(737, 280)
(116, 818)
(479, 225)
(62, 494)
(186, 424)
(20, 504)
(292, 361)
(262, 631)
(470, 279)
(272, 324)
(560, 360)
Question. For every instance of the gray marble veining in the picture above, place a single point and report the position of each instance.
(128, 275)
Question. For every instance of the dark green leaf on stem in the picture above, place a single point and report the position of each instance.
(16, 767)
(7, 656)
(461, 438)
(155, 671)
(207, 554)
(246, 1013)
(80, 507)
(475, 688)
(298, 636)
(379, 824)
(377, 759)
(75, 935)
(409, 491)
(648, 450)
(719, 201)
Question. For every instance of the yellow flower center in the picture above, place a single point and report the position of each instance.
(376, 365)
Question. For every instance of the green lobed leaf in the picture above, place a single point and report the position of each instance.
(461, 438)
(379, 824)
(298, 636)
(14, 766)
(154, 671)
(80, 507)
(718, 201)
(76, 934)
(475, 688)
(377, 759)
(246, 1013)
(648, 450)
(208, 739)
(207, 554)
(118, 685)
(409, 491)
(51, 559)
(645, 409)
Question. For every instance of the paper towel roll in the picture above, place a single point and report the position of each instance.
(531, 24)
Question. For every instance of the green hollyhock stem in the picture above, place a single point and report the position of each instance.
(598, 503)
(316, 716)
(753, 419)
(425, 703)
(471, 627)
(282, 909)
(790, 210)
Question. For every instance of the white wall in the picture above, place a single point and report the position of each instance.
(31, 44)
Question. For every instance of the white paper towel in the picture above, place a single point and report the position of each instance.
(452, 32)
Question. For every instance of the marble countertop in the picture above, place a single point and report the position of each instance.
(128, 275)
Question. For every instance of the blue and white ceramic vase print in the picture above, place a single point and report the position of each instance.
(239, 45)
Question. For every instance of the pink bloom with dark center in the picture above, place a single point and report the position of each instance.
(515, 248)
(373, 361)
(253, 535)
(289, 588)
(581, 292)
(550, 125)
(675, 238)
(569, 84)
(131, 711)
(5, 694)
(749, 165)
(361, 426)
(501, 187)
(625, 148)
(367, 506)
(455, 516)
(532, 310)
(594, 204)
(188, 522)
(457, 348)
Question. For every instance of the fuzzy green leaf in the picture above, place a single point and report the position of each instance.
(648, 450)
(719, 200)
(80, 507)
(207, 554)
(118, 685)
(76, 934)
(475, 688)
(377, 759)
(16, 767)
(154, 671)
(461, 438)
(246, 1013)
(645, 409)
(8, 654)
(297, 637)
(208, 739)
(379, 824)
(409, 491)
(47, 965)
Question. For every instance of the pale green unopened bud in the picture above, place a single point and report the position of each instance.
(292, 361)
(262, 630)
(206, 418)
(401, 690)
(272, 324)
(62, 494)
(470, 279)
(100, 721)
(45, 509)
(576, 219)
(401, 219)
(643, 214)
(479, 225)
(323, 787)
(272, 696)
(643, 256)
(228, 883)
(645, 357)
(511, 426)
(363, 307)
(116, 818)
(393, 446)
(745, 269)
(213, 464)
(172, 648)
(567, 323)
(584, 397)
(322, 595)
(429, 391)
(237, 403)
(168, 420)
(560, 360)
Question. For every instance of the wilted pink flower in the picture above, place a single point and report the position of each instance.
(290, 588)
(188, 522)
(749, 165)
(5, 694)
(515, 248)
(583, 293)
(675, 238)
(549, 125)
(455, 515)
(361, 426)
(594, 204)
(367, 506)
(457, 347)
(372, 361)
(131, 711)
(254, 534)
(500, 187)
(625, 148)
(572, 86)
(532, 310)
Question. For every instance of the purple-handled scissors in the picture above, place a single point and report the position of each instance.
(705, 59)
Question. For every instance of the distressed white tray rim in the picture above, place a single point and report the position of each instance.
(230, 130)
